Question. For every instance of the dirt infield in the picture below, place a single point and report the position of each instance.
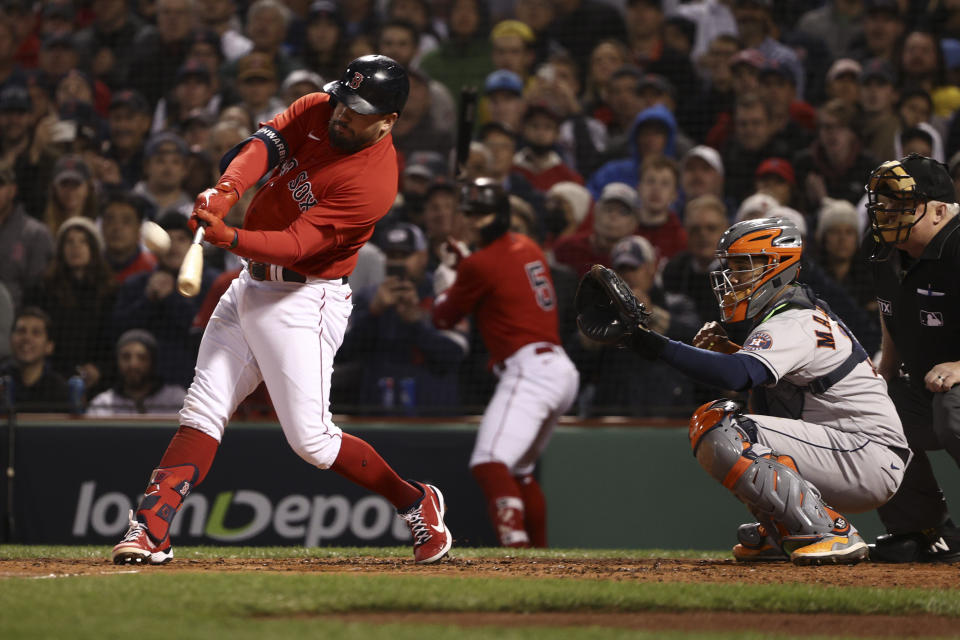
(647, 571)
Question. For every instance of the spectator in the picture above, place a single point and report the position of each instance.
(257, 86)
(193, 95)
(440, 222)
(164, 171)
(620, 381)
(298, 84)
(11, 74)
(615, 217)
(567, 205)
(463, 59)
(26, 246)
(920, 140)
(756, 28)
(421, 14)
(837, 22)
(843, 81)
(150, 300)
(580, 25)
(77, 292)
(537, 160)
(705, 219)
(915, 106)
(883, 29)
(325, 43)
(267, 22)
(72, 193)
(701, 173)
(417, 130)
(421, 171)
(512, 47)
(105, 44)
(644, 21)
(775, 177)
(838, 241)
(921, 61)
(23, 151)
(503, 91)
(128, 125)
(406, 365)
(657, 191)
(502, 144)
(538, 15)
(36, 387)
(224, 135)
(122, 215)
(138, 388)
(793, 120)
(717, 74)
(878, 96)
(652, 134)
(606, 58)
(220, 17)
(623, 103)
(752, 142)
(159, 51)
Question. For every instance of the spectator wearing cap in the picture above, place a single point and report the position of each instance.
(883, 27)
(843, 80)
(194, 94)
(26, 246)
(23, 151)
(512, 47)
(257, 85)
(619, 381)
(653, 133)
(73, 192)
(838, 251)
(835, 165)
(464, 58)
(614, 218)
(391, 343)
(644, 20)
(920, 140)
(417, 130)
(657, 191)
(400, 39)
(793, 119)
(838, 23)
(756, 28)
(164, 171)
(34, 386)
(128, 124)
(298, 84)
(160, 50)
(878, 98)
(580, 25)
(503, 100)
(77, 292)
(422, 169)
(439, 221)
(537, 160)
(702, 174)
(221, 17)
(775, 177)
(138, 388)
(752, 142)
(106, 43)
(501, 143)
(150, 300)
(121, 218)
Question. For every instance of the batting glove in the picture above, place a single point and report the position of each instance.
(217, 200)
(217, 232)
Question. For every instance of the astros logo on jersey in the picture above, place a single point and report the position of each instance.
(356, 81)
(759, 340)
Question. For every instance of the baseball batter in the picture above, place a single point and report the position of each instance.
(333, 175)
(825, 438)
(506, 284)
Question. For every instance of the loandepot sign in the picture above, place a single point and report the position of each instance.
(310, 520)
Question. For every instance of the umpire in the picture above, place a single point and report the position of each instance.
(913, 212)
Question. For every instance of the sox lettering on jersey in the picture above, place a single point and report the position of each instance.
(302, 191)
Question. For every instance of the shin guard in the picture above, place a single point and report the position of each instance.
(163, 497)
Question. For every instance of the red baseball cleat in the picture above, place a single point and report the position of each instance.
(431, 537)
(137, 547)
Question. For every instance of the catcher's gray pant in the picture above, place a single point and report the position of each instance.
(931, 421)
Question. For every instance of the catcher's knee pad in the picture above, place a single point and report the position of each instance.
(725, 444)
(163, 497)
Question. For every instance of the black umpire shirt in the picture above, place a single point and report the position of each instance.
(920, 302)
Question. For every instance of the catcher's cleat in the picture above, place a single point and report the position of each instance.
(137, 547)
(843, 545)
(431, 537)
(756, 546)
(931, 545)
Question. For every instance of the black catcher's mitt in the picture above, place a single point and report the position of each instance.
(609, 313)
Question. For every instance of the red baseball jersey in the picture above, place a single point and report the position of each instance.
(320, 204)
(507, 286)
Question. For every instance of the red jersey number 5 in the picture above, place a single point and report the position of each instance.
(540, 282)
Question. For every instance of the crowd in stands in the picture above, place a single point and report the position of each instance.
(628, 133)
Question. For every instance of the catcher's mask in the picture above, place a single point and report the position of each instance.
(897, 195)
(486, 198)
(758, 259)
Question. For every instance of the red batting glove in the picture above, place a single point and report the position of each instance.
(218, 200)
(217, 232)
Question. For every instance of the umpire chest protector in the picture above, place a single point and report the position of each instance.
(919, 301)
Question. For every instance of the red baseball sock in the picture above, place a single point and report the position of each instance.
(184, 465)
(359, 463)
(504, 503)
(535, 507)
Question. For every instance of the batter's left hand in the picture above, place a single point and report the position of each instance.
(217, 233)
(942, 377)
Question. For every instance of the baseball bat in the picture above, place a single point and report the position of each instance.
(467, 116)
(191, 269)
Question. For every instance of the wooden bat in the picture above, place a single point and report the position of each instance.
(191, 270)
(465, 121)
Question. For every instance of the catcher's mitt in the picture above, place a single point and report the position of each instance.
(609, 313)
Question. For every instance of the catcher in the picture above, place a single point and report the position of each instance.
(825, 439)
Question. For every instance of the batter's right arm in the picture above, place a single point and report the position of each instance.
(889, 357)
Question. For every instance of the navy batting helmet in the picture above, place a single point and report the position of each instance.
(481, 197)
(372, 84)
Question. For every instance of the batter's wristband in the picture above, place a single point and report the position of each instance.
(236, 240)
(273, 140)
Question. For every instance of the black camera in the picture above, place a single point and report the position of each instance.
(397, 270)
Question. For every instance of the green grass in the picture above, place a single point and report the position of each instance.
(157, 604)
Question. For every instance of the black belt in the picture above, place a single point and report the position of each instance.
(902, 453)
(261, 271)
